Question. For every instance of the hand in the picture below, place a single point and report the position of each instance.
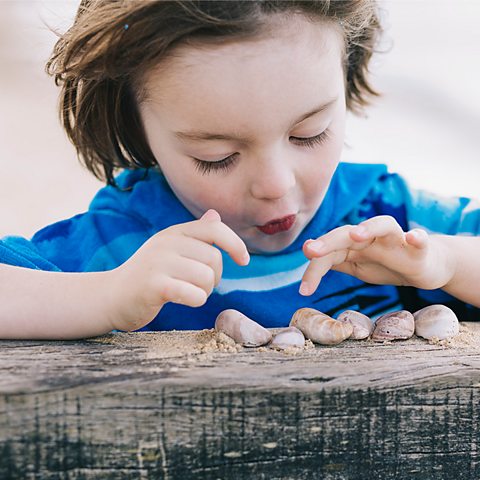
(379, 251)
(178, 264)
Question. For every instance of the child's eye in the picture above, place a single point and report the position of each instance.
(224, 165)
(311, 142)
(206, 167)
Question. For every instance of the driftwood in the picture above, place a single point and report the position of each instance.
(120, 407)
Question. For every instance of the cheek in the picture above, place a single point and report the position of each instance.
(194, 191)
(317, 180)
(317, 177)
(333, 149)
(198, 193)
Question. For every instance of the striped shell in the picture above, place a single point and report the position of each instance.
(242, 329)
(436, 321)
(320, 328)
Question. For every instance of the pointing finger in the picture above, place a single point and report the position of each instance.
(210, 229)
(317, 269)
(335, 240)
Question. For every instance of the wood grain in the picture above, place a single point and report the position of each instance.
(116, 407)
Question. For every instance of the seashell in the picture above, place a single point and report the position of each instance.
(288, 337)
(397, 325)
(362, 325)
(320, 328)
(242, 329)
(436, 321)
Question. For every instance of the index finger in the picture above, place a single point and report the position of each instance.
(335, 240)
(210, 228)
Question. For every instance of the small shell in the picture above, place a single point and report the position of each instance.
(242, 329)
(394, 326)
(436, 321)
(288, 337)
(362, 325)
(320, 328)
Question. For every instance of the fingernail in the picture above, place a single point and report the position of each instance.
(246, 258)
(315, 245)
(304, 288)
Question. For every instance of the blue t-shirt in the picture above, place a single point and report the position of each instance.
(120, 220)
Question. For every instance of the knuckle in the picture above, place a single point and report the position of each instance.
(172, 230)
(170, 291)
(390, 220)
(348, 228)
(420, 233)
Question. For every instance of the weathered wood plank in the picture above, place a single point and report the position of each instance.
(124, 409)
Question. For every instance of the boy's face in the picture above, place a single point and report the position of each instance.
(247, 100)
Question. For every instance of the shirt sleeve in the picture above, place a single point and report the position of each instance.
(432, 212)
(20, 252)
(437, 214)
(119, 220)
(92, 241)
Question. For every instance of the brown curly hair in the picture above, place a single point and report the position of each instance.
(101, 60)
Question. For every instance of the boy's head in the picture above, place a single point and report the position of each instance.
(261, 87)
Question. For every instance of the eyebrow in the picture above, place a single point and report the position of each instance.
(199, 135)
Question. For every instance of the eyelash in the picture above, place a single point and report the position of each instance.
(225, 164)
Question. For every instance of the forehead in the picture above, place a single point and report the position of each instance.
(292, 60)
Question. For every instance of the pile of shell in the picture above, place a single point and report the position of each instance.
(434, 321)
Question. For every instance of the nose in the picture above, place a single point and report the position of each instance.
(273, 178)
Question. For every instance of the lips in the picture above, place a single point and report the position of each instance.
(278, 225)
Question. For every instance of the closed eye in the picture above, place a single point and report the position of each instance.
(226, 163)
(206, 167)
(311, 142)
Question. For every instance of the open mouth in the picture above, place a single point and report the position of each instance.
(278, 225)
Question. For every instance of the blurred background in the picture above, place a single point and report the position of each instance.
(426, 125)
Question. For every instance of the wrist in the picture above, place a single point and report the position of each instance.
(128, 309)
(118, 305)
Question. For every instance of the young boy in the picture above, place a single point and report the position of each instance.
(229, 127)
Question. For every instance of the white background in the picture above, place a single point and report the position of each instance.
(426, 125)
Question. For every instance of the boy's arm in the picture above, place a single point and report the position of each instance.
(41, 294)
(180, 264)
(465, 254)
(35, 304)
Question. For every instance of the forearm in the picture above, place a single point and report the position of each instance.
(51, 305)
(465, 253)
